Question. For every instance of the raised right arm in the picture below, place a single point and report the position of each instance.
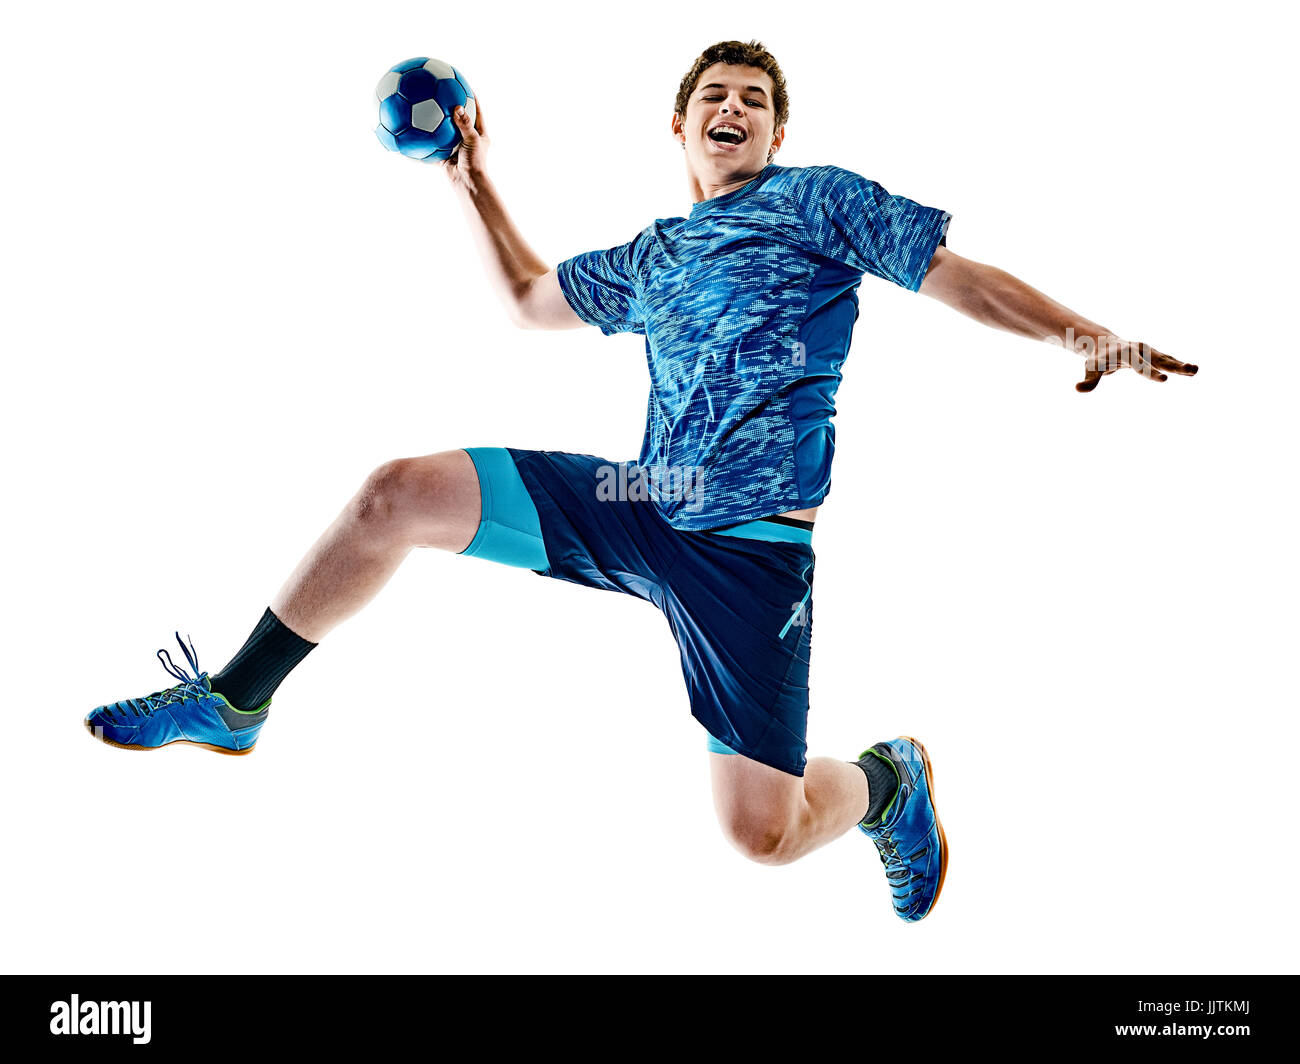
(526, 286)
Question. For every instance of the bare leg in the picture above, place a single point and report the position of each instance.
(775, 818)
(431, 501)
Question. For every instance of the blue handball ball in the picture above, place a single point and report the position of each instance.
(416, 100)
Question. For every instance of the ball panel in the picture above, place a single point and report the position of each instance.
(439, 69)
(426, 115)
(387, 84)
(447, 135)
(410, 64)
(451, 95)
(471, 109)
(386, 138)
(394, 113)
(463, 83)
(418, 143)
(418, 85)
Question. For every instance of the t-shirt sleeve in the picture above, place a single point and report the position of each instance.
(603, 287)
(854, 221)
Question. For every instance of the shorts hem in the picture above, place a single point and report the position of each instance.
(753, 755)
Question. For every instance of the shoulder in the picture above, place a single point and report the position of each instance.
(642, 247)
(630, 254)
(629, 261)
(826, 181)
(822, 192)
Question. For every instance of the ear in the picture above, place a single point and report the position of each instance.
(679, 130)
(777, 138)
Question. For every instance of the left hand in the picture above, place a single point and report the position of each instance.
(1135, 355)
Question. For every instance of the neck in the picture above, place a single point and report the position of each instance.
(701, 190)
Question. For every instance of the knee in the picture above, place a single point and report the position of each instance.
(396, 490)
(765, 839)
(429, 501)
(381, 494)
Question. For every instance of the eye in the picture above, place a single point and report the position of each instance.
(751, 103)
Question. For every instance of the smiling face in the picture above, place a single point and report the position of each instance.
(728, 128)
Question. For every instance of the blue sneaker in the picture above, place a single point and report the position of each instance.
(908, 834)
(191, 712)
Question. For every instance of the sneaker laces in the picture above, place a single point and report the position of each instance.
(889, 855)
(189, 687)
(897, 871)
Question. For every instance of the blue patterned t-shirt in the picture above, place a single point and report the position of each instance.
(748, 307)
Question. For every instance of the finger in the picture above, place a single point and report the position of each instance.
(1138, 357)
(1150, 362)
(1090, 378)
(1172, 365)
(463, 124)
(474, 116)
(1149, 371)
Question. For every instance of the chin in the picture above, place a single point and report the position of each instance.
(734, 163)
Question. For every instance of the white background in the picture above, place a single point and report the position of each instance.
(225, 304)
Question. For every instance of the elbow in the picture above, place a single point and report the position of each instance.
(520, 319)
(519, 306)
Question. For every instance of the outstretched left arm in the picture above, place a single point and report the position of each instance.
(995, 298)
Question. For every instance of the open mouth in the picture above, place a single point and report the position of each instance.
(727, 134)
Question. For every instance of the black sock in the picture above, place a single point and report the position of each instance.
(882, 783)
(262, 663)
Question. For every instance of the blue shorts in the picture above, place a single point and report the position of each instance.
(738, 600)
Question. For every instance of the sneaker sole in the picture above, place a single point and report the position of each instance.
(174, 742)
(943, 839)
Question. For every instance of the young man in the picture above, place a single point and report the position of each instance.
(747, 306)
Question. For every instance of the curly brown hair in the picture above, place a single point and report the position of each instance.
(738, 53)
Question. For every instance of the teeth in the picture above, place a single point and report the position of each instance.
(729, 129)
